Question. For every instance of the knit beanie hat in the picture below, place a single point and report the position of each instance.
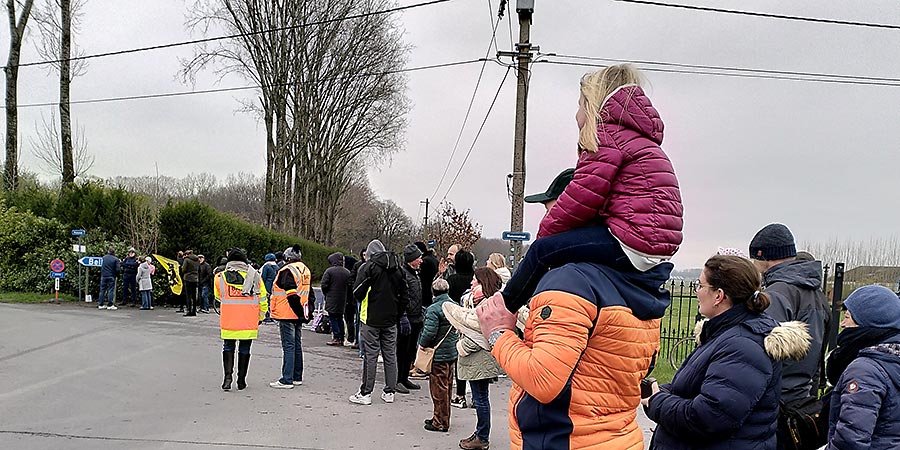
(773, 242)
(411, 252)
(874, 306)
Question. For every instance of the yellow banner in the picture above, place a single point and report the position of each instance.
(173, 270)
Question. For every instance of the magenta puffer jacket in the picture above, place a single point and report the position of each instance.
(629, 183)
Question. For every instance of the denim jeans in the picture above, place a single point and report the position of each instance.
(292, 366)
(146, 302)
(589, 244)
(337, 325)
(482, 400)
(107, 291)
(244, 346)
(204, 296)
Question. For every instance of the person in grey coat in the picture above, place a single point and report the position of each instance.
(145, 285)
(335, 285)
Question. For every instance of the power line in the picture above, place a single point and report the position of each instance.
(734, 69)
(232, 36)
(469, 109)
(767, 15)
(480, 129)
(735, 75)
(243, 88)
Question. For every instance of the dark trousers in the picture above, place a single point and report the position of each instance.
(589, 244)
(350, 318)
(440, 382)
(129, 289)
(460, 388)
(337, 326)
(481, 399)
(406, 351)
(190, 296)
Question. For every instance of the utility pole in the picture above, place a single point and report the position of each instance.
(425, 226)
(523, 55)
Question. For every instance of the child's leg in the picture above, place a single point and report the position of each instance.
(589, 244)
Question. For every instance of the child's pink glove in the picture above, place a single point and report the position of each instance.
(493, 316)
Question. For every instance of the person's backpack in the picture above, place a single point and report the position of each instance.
(805, 422)
(320, 323)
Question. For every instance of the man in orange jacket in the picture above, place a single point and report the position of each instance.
(590, 337)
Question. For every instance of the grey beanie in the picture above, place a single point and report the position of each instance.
(411, 252)
(775, 241)
(874, 306)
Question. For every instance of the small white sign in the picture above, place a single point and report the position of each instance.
(56, 284)
(87, 298)
(79, 248)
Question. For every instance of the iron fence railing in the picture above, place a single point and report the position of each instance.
(680, 318)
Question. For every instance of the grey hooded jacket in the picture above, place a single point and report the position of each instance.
(795, 291)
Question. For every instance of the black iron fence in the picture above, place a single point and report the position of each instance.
(679, 321)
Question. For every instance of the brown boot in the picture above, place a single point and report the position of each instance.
(474, 443)
(334, 342)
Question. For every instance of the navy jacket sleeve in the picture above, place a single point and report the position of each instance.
(735, 381)
(859, 409)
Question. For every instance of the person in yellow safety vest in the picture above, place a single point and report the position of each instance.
(290, 302)
(242, 294)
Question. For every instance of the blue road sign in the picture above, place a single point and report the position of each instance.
(91, 261)
(516, 236)
(432, 242)
(57, 274)
(78, 232)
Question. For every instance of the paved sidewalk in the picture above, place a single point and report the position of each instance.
(75, 377)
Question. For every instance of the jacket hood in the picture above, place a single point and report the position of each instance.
(464, 262)
(806, 274)
(336, 259)
(192, 257)
(629, 107)
(788, 340)
(386, 260)
(504, 274)
(888, 356)
(374, 247)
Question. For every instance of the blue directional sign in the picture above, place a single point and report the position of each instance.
(516, 236)
(57, 274)
(432, 242)
(91, 261)
(78, 232)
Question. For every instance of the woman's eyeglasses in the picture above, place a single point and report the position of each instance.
(696, 285)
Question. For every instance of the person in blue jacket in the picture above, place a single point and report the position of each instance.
(865, 403)
(726, 394)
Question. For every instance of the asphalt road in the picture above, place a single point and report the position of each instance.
(75, 377)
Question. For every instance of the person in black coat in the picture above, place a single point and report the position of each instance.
(427, 272)
(335, 285)
(350, 315)
(726, 394)
(129, 278)
(460, 282)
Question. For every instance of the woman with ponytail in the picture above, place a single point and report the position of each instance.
(726, 394)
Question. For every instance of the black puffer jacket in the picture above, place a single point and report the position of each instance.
(427, 273)
(461, 281)
(414, 311)
(794, 288)
(335, 284)
(381, 288)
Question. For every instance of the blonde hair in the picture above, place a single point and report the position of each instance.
(496, 260)
(595, 87)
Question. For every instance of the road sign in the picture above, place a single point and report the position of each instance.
(57, 274)
(91, 261)
(516, 236)
(57, 265)
(432, 242)
(79, 248)
(78, 232)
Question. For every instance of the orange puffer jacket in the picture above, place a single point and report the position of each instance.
(575, 392)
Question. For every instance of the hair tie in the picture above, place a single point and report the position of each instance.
(755, 295)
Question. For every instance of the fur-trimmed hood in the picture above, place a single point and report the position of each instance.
(788, 340)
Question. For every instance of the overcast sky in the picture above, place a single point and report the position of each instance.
(821, 157)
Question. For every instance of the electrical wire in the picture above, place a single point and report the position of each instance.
(734, 69)
(480, 129)
(243, 88)
(766, 15)
(735, 75)
(231, 36)
(462, 128)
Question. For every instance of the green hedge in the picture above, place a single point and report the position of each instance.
(192, 225)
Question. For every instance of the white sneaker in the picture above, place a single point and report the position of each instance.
(298, 383)
(101, 307)
(347, 343)
(360, 399)
(466, 321)
(388, 397)
(277, 384)
(112, 308)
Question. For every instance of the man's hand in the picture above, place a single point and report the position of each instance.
(442, 267)
(493, 316)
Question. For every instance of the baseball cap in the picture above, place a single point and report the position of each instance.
(557, 186)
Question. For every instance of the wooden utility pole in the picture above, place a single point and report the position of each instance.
(523, 55)
(425, 226)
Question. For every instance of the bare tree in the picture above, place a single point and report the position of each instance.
(454, 227)
(56, 44)
(392, 226)
(17, 26)
(331, 96)
(46, 148)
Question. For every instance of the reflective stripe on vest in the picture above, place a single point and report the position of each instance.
(239, 314)
(280, 307)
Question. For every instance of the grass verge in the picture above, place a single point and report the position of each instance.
(32, 297)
